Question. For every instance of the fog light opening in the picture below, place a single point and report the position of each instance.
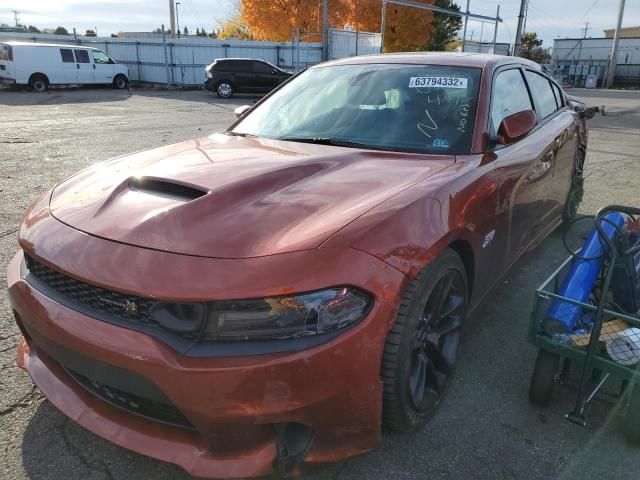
(293, 443)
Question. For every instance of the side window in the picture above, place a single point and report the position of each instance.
(228, 66)
(100, 57)
(82, 56)
(67, 55)
(542, 92)
(260, 67)
(509, 96)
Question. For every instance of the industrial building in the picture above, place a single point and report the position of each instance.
(573, 60)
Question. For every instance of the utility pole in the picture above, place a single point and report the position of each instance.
(526, 14)
(325, 29)
(495, 30)
(516, 46)
(613, 61)
(15, 16)
(172, 19)
(464, 32)
(178, 19)
(586, 29)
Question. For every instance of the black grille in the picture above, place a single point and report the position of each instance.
(130, 309)
(154, 410)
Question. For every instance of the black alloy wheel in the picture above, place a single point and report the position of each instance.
(423, 345)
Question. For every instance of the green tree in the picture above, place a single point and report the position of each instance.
(61, 31)
(185, 31)
(32, 29)
(89, 33)
(197, 31)
(531, 48)
(444, 28)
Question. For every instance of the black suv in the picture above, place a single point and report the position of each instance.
(227, 76)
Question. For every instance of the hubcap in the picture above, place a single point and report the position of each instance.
(436, 342)
(38, 86)
(224, 89)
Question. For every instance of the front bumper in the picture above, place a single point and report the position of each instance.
(233, 403)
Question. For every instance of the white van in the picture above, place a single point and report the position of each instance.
(39, 65)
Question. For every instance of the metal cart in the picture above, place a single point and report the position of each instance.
(591, 351)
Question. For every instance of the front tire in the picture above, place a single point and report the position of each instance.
(38, 83)
(422, 347)
(120, 82)
(224, 89)
(576, 191)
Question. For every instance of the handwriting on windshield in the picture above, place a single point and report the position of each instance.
(427, 124)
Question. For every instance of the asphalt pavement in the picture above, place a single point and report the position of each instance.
(485, 429)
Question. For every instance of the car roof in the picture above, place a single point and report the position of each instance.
(58, 45)
(462, 59)
(243, 59)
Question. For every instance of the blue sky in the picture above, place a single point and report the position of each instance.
(550, 18)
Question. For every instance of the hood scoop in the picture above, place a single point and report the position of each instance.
(165, 188)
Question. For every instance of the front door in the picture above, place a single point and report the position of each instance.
(266, 79)
(102, 66)
(524, 167)
(84, 66)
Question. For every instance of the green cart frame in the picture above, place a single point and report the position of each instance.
(593, 360)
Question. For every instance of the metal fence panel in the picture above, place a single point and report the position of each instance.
(182, 61)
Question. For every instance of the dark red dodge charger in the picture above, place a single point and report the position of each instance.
(265, 298)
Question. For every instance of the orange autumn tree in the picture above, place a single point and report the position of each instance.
(406, 28)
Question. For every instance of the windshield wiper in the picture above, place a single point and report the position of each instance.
(337, 142)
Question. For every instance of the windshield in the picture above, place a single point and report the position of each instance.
(413, 108)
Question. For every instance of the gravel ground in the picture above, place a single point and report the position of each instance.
(485, 429)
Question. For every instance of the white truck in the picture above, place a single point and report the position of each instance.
(38, 65)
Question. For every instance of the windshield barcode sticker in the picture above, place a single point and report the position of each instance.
(444, 82)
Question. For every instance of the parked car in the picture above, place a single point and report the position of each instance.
(227, 76)
(38, 65)
(269, 296)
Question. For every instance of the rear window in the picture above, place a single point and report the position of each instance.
(542, 93)
(67, 55)
(5, 52)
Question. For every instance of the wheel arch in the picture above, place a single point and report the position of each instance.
(465, 251)
(39, 74)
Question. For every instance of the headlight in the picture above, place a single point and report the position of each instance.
(285, 317)
(209, 75)
(273, 318)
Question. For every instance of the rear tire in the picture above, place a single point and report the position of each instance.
(224, 89)
(422, 347)
(38, 83)
(632, 425)
(120, 82)
(543, 378)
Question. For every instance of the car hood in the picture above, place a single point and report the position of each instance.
(232, 197)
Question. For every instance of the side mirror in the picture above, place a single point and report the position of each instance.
(241, 110)
(589, 112)
(516, 126)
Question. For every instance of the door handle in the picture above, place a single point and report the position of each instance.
(78, 66)
(94, 66)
